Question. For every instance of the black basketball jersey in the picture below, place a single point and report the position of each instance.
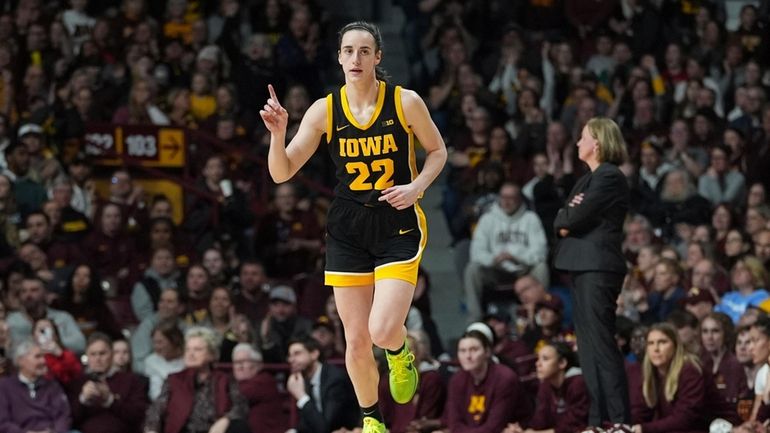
(371, 157)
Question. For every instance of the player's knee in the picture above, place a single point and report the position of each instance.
(384, 334)
(357, 342)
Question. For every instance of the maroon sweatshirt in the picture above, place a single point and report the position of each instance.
(725, 389)
(730, 378)
(266, 414)
(427, 403)
(682, 415)
(126, 413)
(564, 409)
(488, 406)
(509, 350)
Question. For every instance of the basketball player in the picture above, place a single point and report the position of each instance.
(376, 231)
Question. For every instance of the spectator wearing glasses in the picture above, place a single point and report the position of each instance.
(260, 390)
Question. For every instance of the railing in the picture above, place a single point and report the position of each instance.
(528, 381)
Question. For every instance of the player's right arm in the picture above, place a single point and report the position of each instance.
(283, 161)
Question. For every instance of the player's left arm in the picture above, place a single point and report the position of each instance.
(419, 120)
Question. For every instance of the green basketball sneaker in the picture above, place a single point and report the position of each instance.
(371, 425)
(403, 377)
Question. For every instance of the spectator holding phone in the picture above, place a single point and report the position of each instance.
(106, 400)
(63, 364)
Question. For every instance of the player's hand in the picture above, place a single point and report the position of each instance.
(273, 114)
(400, 196)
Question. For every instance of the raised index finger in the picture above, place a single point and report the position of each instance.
(272, 93)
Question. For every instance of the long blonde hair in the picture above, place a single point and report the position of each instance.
(671, 381)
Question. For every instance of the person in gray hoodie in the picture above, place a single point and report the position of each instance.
(508, 242)
(162, 274)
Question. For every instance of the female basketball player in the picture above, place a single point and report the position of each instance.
(376, 231)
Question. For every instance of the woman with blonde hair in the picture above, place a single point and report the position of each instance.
(198, 398)
(672, 386)
(141, 108)
(590, 228)
(748, 278)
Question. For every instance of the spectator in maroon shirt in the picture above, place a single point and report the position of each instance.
(483, 396)
(288, 239)
(198, 290)
(251, 294)
(40, 232)
(266, 414)
(110, 249)
(743, 355)
(760, 353)
(672, 391)
(549, 312)
(106, 400)
(130, 198)
(717, 339)
(507, 348)
(562, 399)
(162, 233)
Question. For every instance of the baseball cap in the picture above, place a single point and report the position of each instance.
(495, 312)
(696, 295)
(283, 293)
(550, 301)
(30, 128)
(323, 322)
(209, 52)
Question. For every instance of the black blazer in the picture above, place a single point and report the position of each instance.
(595, 225)
(339, 405)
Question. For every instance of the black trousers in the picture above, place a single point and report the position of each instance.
(594, 297)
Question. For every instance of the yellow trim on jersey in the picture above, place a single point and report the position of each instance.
(400, 111)
(348, 279)
(377, 108)
(402, 119)
(329, 118)
(406, 270)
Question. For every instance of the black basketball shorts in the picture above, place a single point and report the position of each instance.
(365, 244)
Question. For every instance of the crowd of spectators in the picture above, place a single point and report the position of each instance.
(117, 317)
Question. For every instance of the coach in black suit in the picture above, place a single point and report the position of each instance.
(324, 395)
(590, 228)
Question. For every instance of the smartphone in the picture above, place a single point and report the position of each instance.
(45, 336)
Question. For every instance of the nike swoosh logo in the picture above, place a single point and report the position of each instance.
(340, 128)
(403, 232)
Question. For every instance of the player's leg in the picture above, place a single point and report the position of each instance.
(349, 269)
(395, 276)
(354, 305)
(392, 299)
